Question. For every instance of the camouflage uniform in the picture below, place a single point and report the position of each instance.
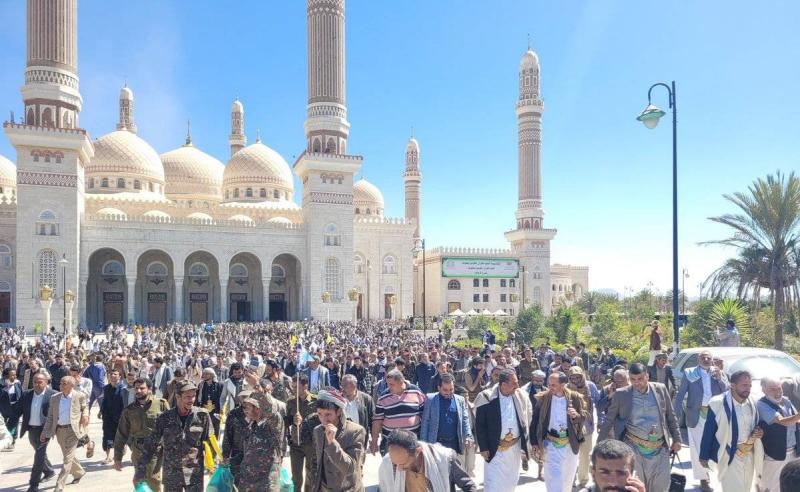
(282, 388)
(233, 445)
(261, 464)
(301, 445)
(135, 424)
(183, 448)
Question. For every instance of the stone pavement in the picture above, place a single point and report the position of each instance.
(15, 467)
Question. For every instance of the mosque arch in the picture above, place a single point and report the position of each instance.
(245, 296)
(107, 296)
(285, 294)
(201, 288)
(155, 288)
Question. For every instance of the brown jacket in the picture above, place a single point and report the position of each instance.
(78, 410)
(341, 461)
(541, 419)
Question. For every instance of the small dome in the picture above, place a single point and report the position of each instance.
(191, 173)
(8, 173)
(367, 196)
(255, 166)
(122, 153)
(279, 220)
(242, 218)
(529, 60)
(113, 212)
(412, 145)
(126, 93)
(200, 216)
(237, 106)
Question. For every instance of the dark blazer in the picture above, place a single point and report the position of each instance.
(341, 461)
(670, 384)
(23, 408)
(620, 412)
(487, 420)
(7, 401)
(693, 393)
(366, 410)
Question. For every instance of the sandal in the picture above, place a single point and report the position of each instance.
(90, 449)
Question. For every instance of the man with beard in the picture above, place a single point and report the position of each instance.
(208, 395)
(619, 379)
(231, 387)
(263, 437)
(779, 418)
(281, 383)
(612, 468)
(731, 436)
(33, 408)
(698, 385)
(661, 372)
(590, 394)
(57, 371)
(233, 444)
(111, 406)
(360, 372)
(301, 449)
(136, 423)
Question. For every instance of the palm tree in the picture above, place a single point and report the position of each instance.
(767, 233)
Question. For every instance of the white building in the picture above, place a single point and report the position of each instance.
(181, 236)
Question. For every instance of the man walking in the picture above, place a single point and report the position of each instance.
(445, 419)
(136, 423)
(67, 418)
(96, 372)
(359, 407)
(399, 408)
(698, 385)
(503, 414)
(661, 372)
(557, 431)
(111, 406)
(261, 462)
(731, 436)
(208, 395)
(588, 390)
(641, 415)
(778, 418)
(33, 407)
(301, 451)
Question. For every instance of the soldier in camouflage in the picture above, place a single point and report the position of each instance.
(136, 423)
(181, 432)
(260, 469)
(235, 428)
(281, 383)
(301, 446)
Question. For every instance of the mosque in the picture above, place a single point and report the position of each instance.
(107, 230)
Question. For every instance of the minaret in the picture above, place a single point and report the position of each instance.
(326, 169)
(413, 181)
(50, 92)
(326, 126)
(530, 241)
(126, 121)
(237, 138)
(52, 152)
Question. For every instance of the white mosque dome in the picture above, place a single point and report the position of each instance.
(367, 198)
(8, 173)
(126, 94)
(279, 220)
(529, 59)
(257, 166)
(237, 106)
(191, 173)
(123, 154)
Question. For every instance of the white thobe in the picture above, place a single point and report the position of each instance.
(696, 433)
(560, 464)
(738, 476)
(502, 473)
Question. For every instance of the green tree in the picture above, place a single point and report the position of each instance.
(564, 322)
(530, 325)
(766, 231)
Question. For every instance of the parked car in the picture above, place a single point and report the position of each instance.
(759, 362)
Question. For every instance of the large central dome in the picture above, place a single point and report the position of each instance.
(191, 173)
(8, 174)
(255, 168)
(123, 154)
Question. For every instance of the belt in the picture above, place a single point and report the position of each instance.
(704, 411)
(507, 443)
(63, 426)
(645, 443)
(743, 449)
(558, 441)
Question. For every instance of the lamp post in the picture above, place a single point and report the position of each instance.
(46, 300)
(420, 246)
(352, 294)
(63, 262)
(650, 117)
(369, 269)
(392, 302)
(683, 290)
(326, 299)
(69, 301)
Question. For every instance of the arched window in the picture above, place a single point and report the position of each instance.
(278, 272)
(317, 146)
(113, 268)
(358, 211)
(47, 268)
(236, 192)
(368, 212)
(91, 183)
(332, 237)
(156, 269)
(47, 225)
(30, 119)
(137, 185)
(537, 295)
(332, 278)
(227, 194)
(239, 271)
(120, 183)
(198, 270)
(454, 285)
(47, 117)
(331, 147)
(358, 264)
(276, 194)
(262, 193)
(104, 183)
(5, 256)
(248, 193)
(389, 265)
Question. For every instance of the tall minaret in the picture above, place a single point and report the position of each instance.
(413, 180)
(237, 138)
(530, 241)
(326, 169)
(126, 121)
(50, 92)
(326, 126)
(51, 155)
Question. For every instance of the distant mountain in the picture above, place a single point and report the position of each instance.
(607, 291)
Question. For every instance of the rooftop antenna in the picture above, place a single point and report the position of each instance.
(258, 135)
(188, 132)
(529, 41)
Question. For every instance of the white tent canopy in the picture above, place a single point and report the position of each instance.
(472, 312)
(457, 312)
(486, 312)
(500, 312)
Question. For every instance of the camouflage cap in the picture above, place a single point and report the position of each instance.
(185, 386)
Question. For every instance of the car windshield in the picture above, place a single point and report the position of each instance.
(760, 366)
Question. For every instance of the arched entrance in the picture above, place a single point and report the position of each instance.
(284, 288)
(5, 302)
(107, 289)
(201, 287)
(245, 292)
(155, 288)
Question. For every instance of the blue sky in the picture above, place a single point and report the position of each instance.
(449, 69)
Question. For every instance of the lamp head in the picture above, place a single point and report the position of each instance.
(650, 116)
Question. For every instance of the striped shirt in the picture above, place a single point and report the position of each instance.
(403, 411)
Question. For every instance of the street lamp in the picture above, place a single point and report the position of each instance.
(326, 299)
(352, 294)
(63, 262)
(683, 290)
(650, 117)
(420, 246)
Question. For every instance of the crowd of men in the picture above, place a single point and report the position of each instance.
(327, 394)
